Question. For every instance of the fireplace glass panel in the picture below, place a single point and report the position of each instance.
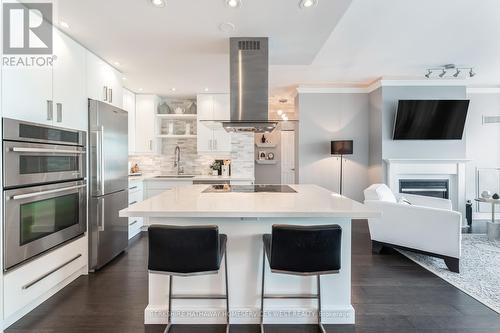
(436, 188)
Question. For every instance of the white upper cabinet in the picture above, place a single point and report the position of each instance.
(205, 107)
(145, 127)
(221, 108)
(69, 83)
(103, 81)
(129, 106)
(212, 138)
(27, 93)
(51, 95)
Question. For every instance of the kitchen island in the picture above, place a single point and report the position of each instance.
(244, 215)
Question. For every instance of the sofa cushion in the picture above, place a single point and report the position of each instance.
(379, 192)
(404, 201)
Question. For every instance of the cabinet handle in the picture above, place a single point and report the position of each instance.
(50, 110)
(105, 93)
(132, 203)
(215, 144)
(210, 144)
(150, 145)
(133, 187)
(59, 112)
(131, 224)
(110, 99)
(32, 283)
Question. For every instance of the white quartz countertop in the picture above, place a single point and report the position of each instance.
(154, 177)
(189, 201)
(211, 178)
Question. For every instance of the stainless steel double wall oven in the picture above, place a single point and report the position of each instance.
(44, 182)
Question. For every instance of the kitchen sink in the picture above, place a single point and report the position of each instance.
(175, 176)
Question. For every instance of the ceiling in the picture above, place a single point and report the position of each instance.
(343, 41)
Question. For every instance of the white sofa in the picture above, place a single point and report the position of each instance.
(425, 225)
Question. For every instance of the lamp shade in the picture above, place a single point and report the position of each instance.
(342, 147)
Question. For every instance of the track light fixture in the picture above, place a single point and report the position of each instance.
(447, 69)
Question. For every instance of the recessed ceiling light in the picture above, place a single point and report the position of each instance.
(233, 3)
(140, 89)
(173, 89)
(206, 89)
(308, 3)
(117, 63)
(64, 24)
(227, 27)
(124, 78)
(158, 3)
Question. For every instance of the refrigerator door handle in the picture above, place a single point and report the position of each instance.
(100, 158)
(100, 226)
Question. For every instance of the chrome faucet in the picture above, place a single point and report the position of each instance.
(177, 160)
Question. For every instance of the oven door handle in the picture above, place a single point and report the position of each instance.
(36, 194)
(45, 150)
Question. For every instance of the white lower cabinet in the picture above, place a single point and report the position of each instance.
(35, 281)
(242, 182)
(135, 195)
(154, 187)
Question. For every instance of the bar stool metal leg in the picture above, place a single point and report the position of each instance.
(169, 323)
(227, 292)
(262, 290)
(319, 305)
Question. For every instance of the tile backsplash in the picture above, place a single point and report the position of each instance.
(241, 156)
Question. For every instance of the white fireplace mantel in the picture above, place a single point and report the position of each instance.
(420, 160)
(451, 169)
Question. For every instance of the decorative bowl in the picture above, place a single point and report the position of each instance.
(486, 194)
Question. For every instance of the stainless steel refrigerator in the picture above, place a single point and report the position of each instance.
(108, 184)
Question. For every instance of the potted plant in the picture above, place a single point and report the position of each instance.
(215, 167)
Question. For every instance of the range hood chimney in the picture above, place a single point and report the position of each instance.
(249, 91)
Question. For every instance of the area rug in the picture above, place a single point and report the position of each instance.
(479, 275)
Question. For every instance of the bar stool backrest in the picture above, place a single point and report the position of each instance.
(184, 250)
(306, 249)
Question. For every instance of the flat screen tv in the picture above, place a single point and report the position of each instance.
(430, 119)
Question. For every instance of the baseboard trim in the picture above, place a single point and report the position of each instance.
(216, 315)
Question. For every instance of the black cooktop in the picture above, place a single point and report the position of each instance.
(249, 189)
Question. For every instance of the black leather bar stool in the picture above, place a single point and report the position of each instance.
(304, 251)
(187, 251)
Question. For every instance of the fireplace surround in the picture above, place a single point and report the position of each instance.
(430, 170)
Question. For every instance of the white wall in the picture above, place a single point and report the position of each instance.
(418, 148)
(376, 169)
(326, 117)
(483, 140)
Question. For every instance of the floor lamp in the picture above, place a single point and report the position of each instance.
(341, 147)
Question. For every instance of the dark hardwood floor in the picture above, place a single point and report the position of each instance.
(390, 294)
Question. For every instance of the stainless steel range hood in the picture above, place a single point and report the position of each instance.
(249, 71)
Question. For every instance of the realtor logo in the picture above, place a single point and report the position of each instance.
(27, 28)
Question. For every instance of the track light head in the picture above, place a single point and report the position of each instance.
(457, 73)
(472, 73)
(429, 73)
(443, 73)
